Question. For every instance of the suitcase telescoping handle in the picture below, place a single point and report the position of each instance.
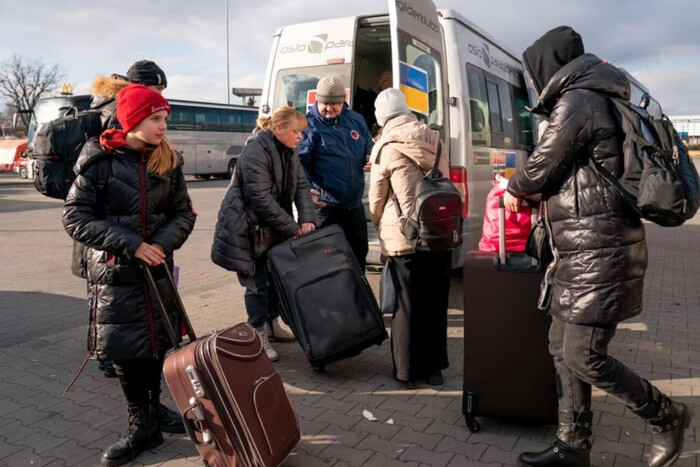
(178, 302)
(502, 254)
(502, 231)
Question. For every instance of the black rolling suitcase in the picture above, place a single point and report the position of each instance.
(324, 297)
(508, 371)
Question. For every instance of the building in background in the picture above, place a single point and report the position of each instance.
(688, 126)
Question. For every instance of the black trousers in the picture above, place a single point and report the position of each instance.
(354, 225)
(419, 324)
(581, 359)
(140, 381)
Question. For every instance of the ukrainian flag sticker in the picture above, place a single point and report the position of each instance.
(414, 85)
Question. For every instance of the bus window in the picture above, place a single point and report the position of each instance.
(479, 109)
(293, 85)
(207, 119)
(181, 118)
(249, 121)
(231, 120)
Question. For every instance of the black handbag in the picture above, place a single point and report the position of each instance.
(264, 238)
(537, 245)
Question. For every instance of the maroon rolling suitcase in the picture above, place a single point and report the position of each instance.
(508, 371)
(232, 400)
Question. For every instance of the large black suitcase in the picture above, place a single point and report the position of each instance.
(508, 371)
(324, 297)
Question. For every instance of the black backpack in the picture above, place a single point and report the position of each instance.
(435, 222)
(660, 181)
(57, 146)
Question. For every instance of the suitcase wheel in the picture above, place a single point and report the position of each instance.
(472, 424)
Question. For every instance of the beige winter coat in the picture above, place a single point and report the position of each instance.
(405, 145)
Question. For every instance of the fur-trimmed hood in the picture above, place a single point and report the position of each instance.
(106, 88)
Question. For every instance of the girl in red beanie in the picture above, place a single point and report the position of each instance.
(129, 204)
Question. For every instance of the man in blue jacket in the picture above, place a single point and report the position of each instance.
(334, 151)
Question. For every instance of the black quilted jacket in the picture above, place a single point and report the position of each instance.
(600, 247)
(113, 205)
(261, 173)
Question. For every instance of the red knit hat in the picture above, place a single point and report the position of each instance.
(135, 103)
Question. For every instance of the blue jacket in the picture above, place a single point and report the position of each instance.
(333, 152)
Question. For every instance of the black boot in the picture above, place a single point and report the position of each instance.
(668, 421)
(144, 433)
(169, 420)
(572, 447)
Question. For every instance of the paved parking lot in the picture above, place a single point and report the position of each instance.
(42, 345)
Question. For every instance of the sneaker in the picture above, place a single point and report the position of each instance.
(276, 332)
(271, 354)
(169, 420)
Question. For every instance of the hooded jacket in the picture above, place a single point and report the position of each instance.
(104, 98)
(112, 207)
(600, 251)
(402, 156)
(262, 173)
(333, 152)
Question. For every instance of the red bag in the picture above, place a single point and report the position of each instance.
(518, 224)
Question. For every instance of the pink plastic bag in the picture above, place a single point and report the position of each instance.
(518, 224)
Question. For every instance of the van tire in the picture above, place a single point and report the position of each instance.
(22, 172)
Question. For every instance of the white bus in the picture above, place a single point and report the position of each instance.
(457, 78)
(210, 136)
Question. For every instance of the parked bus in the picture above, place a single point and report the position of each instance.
(457, 78)
(210, 136)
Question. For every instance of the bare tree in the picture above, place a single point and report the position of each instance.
(23, 82)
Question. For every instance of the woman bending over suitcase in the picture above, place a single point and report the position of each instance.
(405, 151)
(256, 213)
(129, 204)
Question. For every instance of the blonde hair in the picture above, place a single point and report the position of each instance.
(283, 116)
(163, 158)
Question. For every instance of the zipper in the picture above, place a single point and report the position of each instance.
(147, 300)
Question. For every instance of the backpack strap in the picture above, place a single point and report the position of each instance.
(435, 169)
(613, 182)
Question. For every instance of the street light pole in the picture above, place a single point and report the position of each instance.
(228, 72)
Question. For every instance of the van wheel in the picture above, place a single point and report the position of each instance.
(231, 168)
(23, 172)
(203, 177)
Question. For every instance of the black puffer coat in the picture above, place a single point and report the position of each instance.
(261, 173)
(113, 206)
(601, 253)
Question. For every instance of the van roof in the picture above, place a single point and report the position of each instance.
(452, 14)
(444, 13)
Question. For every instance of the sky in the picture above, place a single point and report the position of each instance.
(657, 41)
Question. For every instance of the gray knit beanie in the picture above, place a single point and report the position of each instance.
(390, 103)
(330, 90)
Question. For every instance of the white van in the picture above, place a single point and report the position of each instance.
(456, 77)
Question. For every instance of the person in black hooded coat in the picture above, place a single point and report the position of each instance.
(129, 204)
(600, 254)
(268, 180)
